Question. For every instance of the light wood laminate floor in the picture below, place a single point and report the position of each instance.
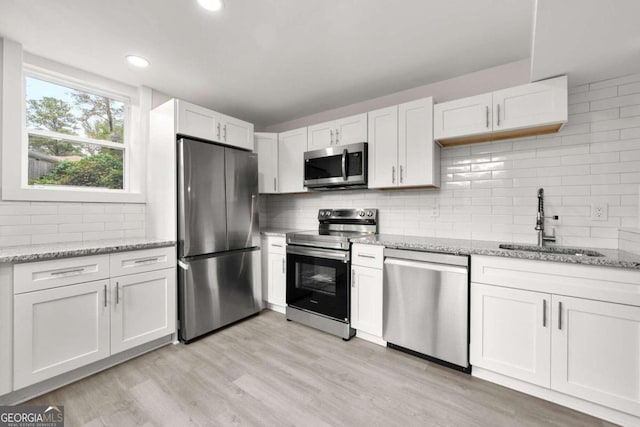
(266, 371)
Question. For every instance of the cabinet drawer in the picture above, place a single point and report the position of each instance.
(141, 261)
(277, 245)
(367, 255)
(34, 276)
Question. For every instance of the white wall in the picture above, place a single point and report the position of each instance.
(500, 77)
(489, 190)
(52, 222)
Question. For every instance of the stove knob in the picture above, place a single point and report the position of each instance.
(369, 213)
(361, 213)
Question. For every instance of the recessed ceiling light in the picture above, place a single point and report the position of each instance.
(137, 61)
(212, 5)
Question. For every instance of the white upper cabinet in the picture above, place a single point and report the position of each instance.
(348, 130)
(418, 155)
(536, 104)
(531, 109)
(463, 117)
(201, 122)
(383, 147)
(267, 148)
(402, 152)
(291, 148)
(197, 121)
(236, 132)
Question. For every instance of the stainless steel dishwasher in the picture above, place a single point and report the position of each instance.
(426, 305)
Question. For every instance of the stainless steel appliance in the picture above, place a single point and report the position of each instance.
(218, 237)
(336, 167)
(426, 305)
(318, 269)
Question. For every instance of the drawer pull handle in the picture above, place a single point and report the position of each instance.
(366, 256)
(140, 261)
(276, 246)
(59, 273)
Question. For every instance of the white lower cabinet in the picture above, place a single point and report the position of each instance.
(572, 330)
(143, 308)
(366, 291)
(275, 273)
(595, 352)
(70, 325)
(510, 332)
(58, 330)
(366, 300)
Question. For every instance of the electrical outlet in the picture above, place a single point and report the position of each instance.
(599, 212)
(435, 210)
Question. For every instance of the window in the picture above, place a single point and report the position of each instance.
(75, 137)
(70, 135)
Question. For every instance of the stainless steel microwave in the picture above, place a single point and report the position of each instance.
(336, 167)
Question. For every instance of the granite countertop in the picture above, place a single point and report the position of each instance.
(611, 258)
(27, 253)
(277, 232)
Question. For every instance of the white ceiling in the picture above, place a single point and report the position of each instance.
(590, 40)
(268, 61)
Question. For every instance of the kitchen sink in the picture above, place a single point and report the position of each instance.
(551, 250)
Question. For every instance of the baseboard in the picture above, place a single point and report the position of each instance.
(276, 307)
(580, 405)
(371, 338)
(35, 390)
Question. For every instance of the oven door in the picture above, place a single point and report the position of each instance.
(344, 165)
(318, 281)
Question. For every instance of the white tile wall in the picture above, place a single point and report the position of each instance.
(630, 240)
(42, 222)
(489, 190)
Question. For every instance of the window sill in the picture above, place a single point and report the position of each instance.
(71, 195)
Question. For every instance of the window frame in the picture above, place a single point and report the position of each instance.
(16, 66)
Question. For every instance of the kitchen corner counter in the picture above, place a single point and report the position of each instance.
(29, 253)
(277, 232)
(612, 257)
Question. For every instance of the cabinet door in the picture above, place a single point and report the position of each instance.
(462, 117)
(277, 286)
(366, 299)
(510, 332)
(383, 147)
(236, 133)
(58, 330)
(267, 148)
(418, 155)
(291, 148)
(197, 121)
(351, 130)
(144, 308)
(596, 352)
(531, 105)
(320, 136)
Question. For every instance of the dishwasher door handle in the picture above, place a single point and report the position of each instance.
(426, 265)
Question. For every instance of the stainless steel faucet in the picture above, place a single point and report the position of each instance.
(540, 221)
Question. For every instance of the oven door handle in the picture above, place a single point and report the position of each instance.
(344, 164)
(319, 253)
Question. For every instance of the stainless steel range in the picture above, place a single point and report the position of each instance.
(318, 269)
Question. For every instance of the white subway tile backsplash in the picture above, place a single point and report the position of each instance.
(24, 223)
(489, 190)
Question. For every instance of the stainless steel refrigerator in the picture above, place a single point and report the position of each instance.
(218, 236)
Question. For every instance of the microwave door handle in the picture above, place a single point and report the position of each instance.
(344, 164)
